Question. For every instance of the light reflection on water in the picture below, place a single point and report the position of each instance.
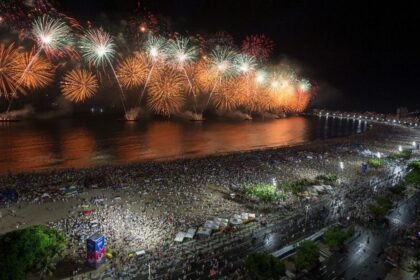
(80, 143)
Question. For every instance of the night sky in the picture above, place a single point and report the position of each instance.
(364, 57)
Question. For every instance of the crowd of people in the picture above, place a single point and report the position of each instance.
(143, 206)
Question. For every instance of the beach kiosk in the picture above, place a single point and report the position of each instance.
(95, 246)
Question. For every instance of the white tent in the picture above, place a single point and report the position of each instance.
(180, 236)
(211, 225)
(221, 222)
(203, 233)
(191, 233)
(244, 216)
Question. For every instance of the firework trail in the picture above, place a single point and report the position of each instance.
(181, 54)
(155, 50)
(51, 35)
(221, 62)
(98, 48)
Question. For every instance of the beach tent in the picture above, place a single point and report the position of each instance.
(244, 217)
(221, 222)
(179, 236)
(211, 225)
(203, 233)
(191, 233)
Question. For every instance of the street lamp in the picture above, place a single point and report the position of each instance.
(341, 165)
(400, 148)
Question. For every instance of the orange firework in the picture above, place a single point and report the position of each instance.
(9, 74)
(264, 102)
(244, 90)
(192, 85)
(206, 77)
(36, 71)
(227, 97)
(132, 71)
(166, 92)
(79, 85)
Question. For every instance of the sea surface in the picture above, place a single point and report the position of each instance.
(77, 143)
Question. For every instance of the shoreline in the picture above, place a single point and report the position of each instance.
(48, 162)
(298, 146)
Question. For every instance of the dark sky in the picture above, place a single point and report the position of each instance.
(364, 56)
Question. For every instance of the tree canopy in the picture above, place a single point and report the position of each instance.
(33, 249)
(335, 237)
(264, 266)
(307, 254)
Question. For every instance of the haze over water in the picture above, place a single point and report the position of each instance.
(77, 143)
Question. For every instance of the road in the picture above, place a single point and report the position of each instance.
(365, 257)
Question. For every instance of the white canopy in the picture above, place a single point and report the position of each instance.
(180, 236)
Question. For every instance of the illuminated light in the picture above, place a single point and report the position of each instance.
(378, 155)
(275, 84)
(97, 47)
(400, 148)
(182, 57)
(154, 52)
(244, 68)
(143, 29)
(414, 143)
(260, 77)
(46, 39)
(304, 85)
(101, 50)
(222, 66)
(341, 165)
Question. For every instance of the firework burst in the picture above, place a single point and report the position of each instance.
(79, 85)
(181, 52)
(165, 93)
(304, 85)
(9, 74)
(155, 47)
(244, 63)
(221, 61)
(97, 47)
(51, 34)
(36, 72)
(258, 46)
(132, 71)
(225, 98)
